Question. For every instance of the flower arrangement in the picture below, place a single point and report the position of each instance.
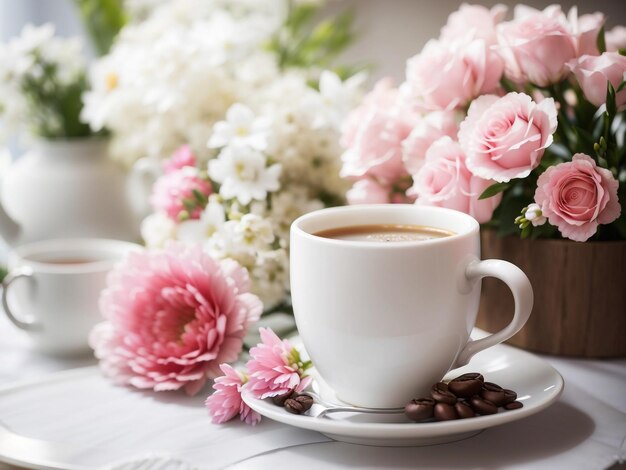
(518, 123)
(42, 79)
(235, 101)
(170, 77)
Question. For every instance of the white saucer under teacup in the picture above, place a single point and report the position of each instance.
(537, 384)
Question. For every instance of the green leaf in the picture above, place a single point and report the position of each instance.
(512, 203)
(611, 105)
(601, 41)
(201, 198)
(621, 51)
(508, 85)
(300, 15)
(494, 189)
(103, 20)
(189, 204)
(3, 273)
(621, 85)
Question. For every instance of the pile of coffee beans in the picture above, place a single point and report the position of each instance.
(463, 397)
(296, 403)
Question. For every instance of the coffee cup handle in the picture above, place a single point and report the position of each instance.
(28, 325)
(522, 291)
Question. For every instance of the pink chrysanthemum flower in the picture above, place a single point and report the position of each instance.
(275, 367)
(173, 316)
(226, 403)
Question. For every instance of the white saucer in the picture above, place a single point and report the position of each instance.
(537, 384)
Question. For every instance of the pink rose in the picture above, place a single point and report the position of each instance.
(577, 196)
(172, 317)
(171, 189)
(383, 95)
(615, 39)
(368, 191)
(373, 135)
(585, 29)
(594, 72)
(449, 74)
(536, 45)
(476, 21)
(445, 181)
(181, 158)
(504, 138)
(433, 126)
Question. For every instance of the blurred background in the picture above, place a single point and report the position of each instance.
(391, 30)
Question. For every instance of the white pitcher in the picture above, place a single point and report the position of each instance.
(70, 188)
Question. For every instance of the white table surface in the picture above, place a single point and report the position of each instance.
(585, 429)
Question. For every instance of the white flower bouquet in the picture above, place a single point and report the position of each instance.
(236, 98)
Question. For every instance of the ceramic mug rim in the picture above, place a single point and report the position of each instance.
(115, 249)
(471, 226)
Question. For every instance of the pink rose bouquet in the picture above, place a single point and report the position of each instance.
(172, 317)
(519, 123)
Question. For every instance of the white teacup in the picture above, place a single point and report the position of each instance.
(52, 290)
(382, 322)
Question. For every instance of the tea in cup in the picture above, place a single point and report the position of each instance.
(52, 290)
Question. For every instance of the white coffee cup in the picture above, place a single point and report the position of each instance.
(382, 322)
(56, 301)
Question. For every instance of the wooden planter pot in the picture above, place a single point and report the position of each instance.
(580, 295)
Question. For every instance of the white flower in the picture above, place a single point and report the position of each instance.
(339, 97)
(534, 215)
(225, 243)
(157, 229)
(270, 276)
(240, 128)
(287, 206)
(242, 173)
(199, 230)
(252, 230)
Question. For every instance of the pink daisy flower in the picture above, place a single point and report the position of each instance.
(226, 403)
(275, 367)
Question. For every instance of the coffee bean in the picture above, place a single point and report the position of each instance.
(444, 412)
(509, 397)
(482, 406)
(279, 400)
(465, 386)
(463, 410)
(471, 375)
(420, 409)
(440, 393)
(305, 400)
(294, 406)
(493, 392)
(514, 405)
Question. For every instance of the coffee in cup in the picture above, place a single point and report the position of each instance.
(382, 320)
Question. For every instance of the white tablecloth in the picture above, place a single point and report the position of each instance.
(585, 429)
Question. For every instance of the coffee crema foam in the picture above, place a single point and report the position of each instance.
(384, 233)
